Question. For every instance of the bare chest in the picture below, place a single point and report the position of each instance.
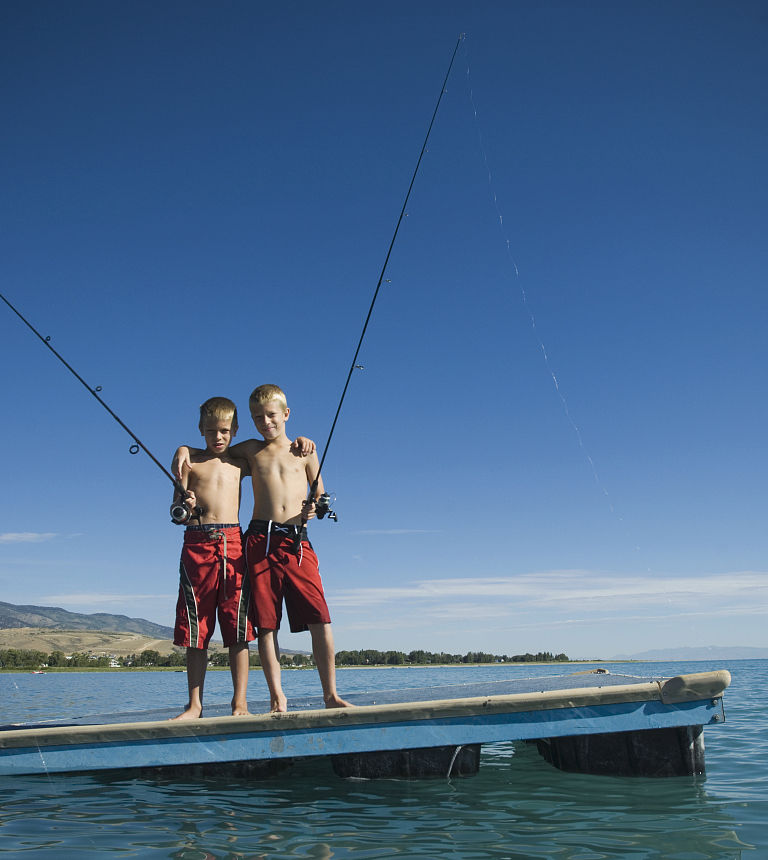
(215, 473)
(273, 469)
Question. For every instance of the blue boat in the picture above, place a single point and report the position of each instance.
(591, 722)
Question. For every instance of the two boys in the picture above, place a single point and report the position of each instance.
(277, 560)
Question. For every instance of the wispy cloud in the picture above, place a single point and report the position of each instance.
(573, 594)
(581, 612)
(26, 537)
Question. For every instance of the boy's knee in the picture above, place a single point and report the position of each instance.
(238, 646)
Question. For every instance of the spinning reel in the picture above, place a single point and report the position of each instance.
(182, 513)
(323, 508)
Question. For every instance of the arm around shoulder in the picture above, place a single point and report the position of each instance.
(182, 460)
(245, 449)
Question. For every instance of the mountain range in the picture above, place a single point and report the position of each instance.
(703, 652)
(52, 617)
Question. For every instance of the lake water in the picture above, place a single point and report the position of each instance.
(517, 806)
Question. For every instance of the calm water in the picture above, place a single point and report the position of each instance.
(516, 807)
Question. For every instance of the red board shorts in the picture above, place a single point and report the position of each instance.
(213, 582)
(277, 572)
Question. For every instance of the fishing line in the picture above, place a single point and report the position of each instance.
(138, 444)
(524, 298)
(322, 508)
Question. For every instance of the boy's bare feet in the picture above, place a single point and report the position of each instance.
(278, 704)
(335, 701)
(240, 709)
(191, 713)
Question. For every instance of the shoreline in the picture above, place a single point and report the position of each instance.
(376, 666)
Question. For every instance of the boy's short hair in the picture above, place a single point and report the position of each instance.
(264, 393)
(220, 409)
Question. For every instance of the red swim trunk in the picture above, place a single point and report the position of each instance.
(213, 582)
(276, 572)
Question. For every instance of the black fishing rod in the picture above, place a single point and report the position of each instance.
(138, 444)
(322, 506)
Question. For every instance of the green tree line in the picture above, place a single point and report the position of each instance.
(19, 658)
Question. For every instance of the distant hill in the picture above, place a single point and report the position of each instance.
(51, 617)
(38, 629)
(97, 642)
(704, 652)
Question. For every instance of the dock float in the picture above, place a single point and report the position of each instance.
(593, 722)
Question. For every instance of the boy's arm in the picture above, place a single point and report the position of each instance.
(182, 495)
(243, 450)
(301, 446)
(183, 457)
(312, 468)
(182, 462)
(182, 476)
(245, 466)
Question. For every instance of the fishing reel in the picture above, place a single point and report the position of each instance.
(181, 513)
(323, 508)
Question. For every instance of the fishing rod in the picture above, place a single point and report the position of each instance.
(181, 511)
(322, 504)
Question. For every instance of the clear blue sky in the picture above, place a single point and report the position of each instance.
(198, 198)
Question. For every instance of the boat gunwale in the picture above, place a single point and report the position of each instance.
(677, 690)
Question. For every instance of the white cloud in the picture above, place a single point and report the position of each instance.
(26, 537)
(571, 593)
(580, 612)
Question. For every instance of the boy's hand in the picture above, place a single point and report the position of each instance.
(301, 446)
(307, 509)
(181, 460)
(183, 506)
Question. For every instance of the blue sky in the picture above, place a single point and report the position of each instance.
(557, 441)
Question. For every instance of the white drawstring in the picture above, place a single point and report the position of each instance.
(283, 530)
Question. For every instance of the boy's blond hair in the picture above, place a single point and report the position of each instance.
(264, 393)
(220, 409)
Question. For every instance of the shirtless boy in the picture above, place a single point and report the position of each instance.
(280, 476)
(212, 569)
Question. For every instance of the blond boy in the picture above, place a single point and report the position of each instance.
(277, 571)
(213, 580)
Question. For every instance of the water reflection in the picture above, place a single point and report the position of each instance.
(517, 806)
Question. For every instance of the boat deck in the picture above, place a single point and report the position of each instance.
(385, 724)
